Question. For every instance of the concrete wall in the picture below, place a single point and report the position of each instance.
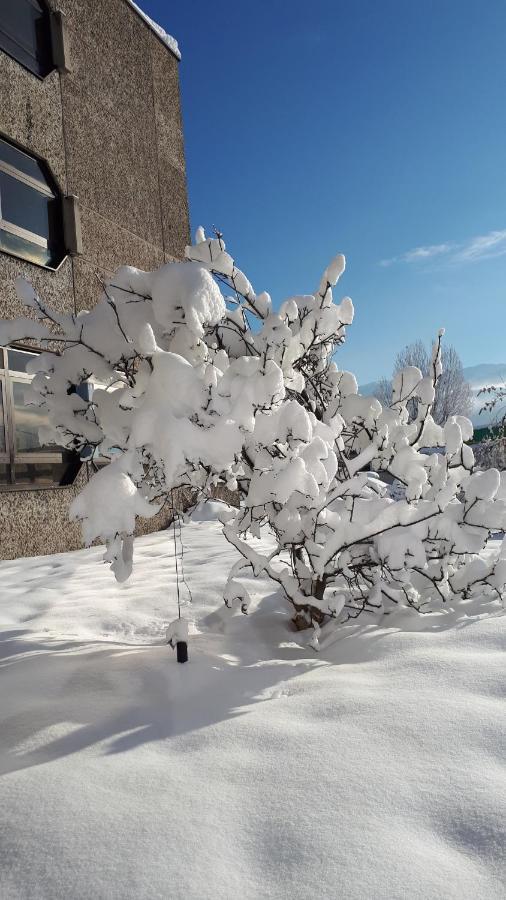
(110, 130)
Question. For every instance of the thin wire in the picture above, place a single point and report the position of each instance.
(183, 576)
(175, 556)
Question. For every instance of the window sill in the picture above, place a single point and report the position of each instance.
(11, 488)
(27, 68)
(30, 262)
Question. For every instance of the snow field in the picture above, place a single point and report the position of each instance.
(259, 769)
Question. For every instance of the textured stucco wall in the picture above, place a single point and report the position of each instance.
(124, 143)
(33, 523)
(36, 522)
(110, 130)
(31, 115)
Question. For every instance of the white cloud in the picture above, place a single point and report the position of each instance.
(426, 252)
(418, 254)
(484, 246)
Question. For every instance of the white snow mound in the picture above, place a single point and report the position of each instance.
(209, 511)
(256, 770)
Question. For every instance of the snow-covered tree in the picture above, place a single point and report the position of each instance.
(383, 391)
(453, 393)
(491, 452)
(200, 383)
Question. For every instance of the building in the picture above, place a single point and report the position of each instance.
(92, 176)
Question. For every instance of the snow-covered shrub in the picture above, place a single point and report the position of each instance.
(203, 384)
(491, 451)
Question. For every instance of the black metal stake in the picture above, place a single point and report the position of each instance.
(182, 651)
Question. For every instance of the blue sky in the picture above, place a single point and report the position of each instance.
(363, 127)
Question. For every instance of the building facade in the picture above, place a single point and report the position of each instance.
(92, 176)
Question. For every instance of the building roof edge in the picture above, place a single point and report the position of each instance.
(165, 38)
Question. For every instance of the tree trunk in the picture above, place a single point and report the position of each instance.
(306, 614)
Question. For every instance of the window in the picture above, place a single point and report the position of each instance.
(24, 461)
(25, 34)
(31, 217)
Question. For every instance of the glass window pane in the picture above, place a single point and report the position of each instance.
(5, 474)
(24, 34)
(48, 472)
(19, 160)
(41, 256)
(19, 359)
(24, 206)
(33, 464)
(39, 473)
(27, 420)
(2, 419)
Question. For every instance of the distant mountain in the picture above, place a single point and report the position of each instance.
(478, 377)
(367, 389)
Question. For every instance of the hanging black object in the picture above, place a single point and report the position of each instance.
(177, 638)
(182, 651)
(177, 632)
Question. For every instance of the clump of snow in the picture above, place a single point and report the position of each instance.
(483, 485)
(211, 511)
(176, 631)
(109, 503)
(190, 288)
(107, 508)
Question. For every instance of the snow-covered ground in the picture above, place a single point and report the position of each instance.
(259, 769)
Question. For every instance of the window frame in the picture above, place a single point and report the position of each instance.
(49, 189)
(39, 71)
(4, 453)
(10, 457)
